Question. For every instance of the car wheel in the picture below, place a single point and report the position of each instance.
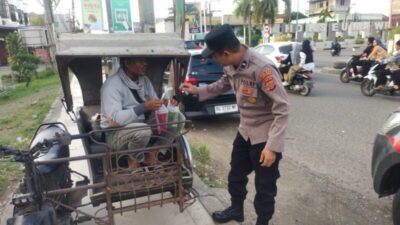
(344, 76)
(367, 87)
(396, 208)
(339, 65)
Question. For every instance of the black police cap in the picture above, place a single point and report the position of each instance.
(218, 39)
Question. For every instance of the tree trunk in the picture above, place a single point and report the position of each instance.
(249, 29)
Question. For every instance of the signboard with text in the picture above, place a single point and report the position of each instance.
(121, 15)
(192, 11)
(92, 14)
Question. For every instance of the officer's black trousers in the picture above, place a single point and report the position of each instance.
(245, 159)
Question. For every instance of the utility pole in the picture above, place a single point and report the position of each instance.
(109, 17)
(49, 18)
(141, 15)
(205, 16)
(73, 16)
(297, 21)
(179, 16)
(146, 14)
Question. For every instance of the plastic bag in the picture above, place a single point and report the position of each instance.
(167, 94)
(162, 119)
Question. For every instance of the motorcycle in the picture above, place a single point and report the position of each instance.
(369, 83)
(30, 205)
(336, 51)
(346, 75)
(385, 163)
(47, 194)
(302, 83)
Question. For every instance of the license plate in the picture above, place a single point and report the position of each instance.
(220, 109)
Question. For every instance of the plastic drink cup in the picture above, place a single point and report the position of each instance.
(162, 119)
(172, 118)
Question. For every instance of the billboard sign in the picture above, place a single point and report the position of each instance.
(193, 11)
(92, 14)
(121, 15)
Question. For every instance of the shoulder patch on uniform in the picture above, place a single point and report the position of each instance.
(267, 79)
(269, 84)
(266, 73)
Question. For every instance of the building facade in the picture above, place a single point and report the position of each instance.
(334, 6)
(395, 13)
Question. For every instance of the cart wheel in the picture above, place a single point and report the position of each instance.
(396, 208)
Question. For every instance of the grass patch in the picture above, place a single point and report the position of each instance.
(43, 81)
(202, 166)
(23, 110)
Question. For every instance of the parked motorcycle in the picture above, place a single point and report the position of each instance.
(302, 83)
(385, 163)
(346, 75)
(30, 205)
(369, 83)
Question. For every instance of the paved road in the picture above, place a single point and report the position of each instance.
(323, 58)
(326, 176)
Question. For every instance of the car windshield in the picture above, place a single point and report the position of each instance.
(200, 65)
(285, 49)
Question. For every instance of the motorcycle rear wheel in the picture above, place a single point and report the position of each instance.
(305, 90)
(396, 208)
(344, 77)
(367, 87)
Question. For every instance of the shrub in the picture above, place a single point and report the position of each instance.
(340, 39)
(316, 37)
(393, 32)
(283, 37)
(48, 72)
(22, 62)
(359, 40)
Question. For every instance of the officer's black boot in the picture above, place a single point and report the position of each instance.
(259, 222)
(230, 213)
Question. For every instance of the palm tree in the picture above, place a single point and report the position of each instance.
(259, 10)
(244, 8)
(288, 12)
(323, 15)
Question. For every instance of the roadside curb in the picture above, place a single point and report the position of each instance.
(209, 199)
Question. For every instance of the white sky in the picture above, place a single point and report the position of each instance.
(224, 6)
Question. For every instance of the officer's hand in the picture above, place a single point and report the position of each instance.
(153, 104)
(190, 88)
(112, 123)
(267, 157)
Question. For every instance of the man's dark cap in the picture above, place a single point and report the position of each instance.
(218, 39)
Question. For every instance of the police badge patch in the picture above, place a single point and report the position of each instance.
(268, 81)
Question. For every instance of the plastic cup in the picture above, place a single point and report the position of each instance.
(161, 117)
(172, 118)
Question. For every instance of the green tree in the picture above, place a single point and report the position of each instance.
(293, 16)
(22, 62)
(53, 2)
(243, 9)
(37, 20)
(323, 15)
(288, 11)
(259, 11)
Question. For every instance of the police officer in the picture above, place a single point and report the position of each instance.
(263, 106)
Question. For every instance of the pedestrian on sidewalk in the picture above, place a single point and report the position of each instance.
(263, 106)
